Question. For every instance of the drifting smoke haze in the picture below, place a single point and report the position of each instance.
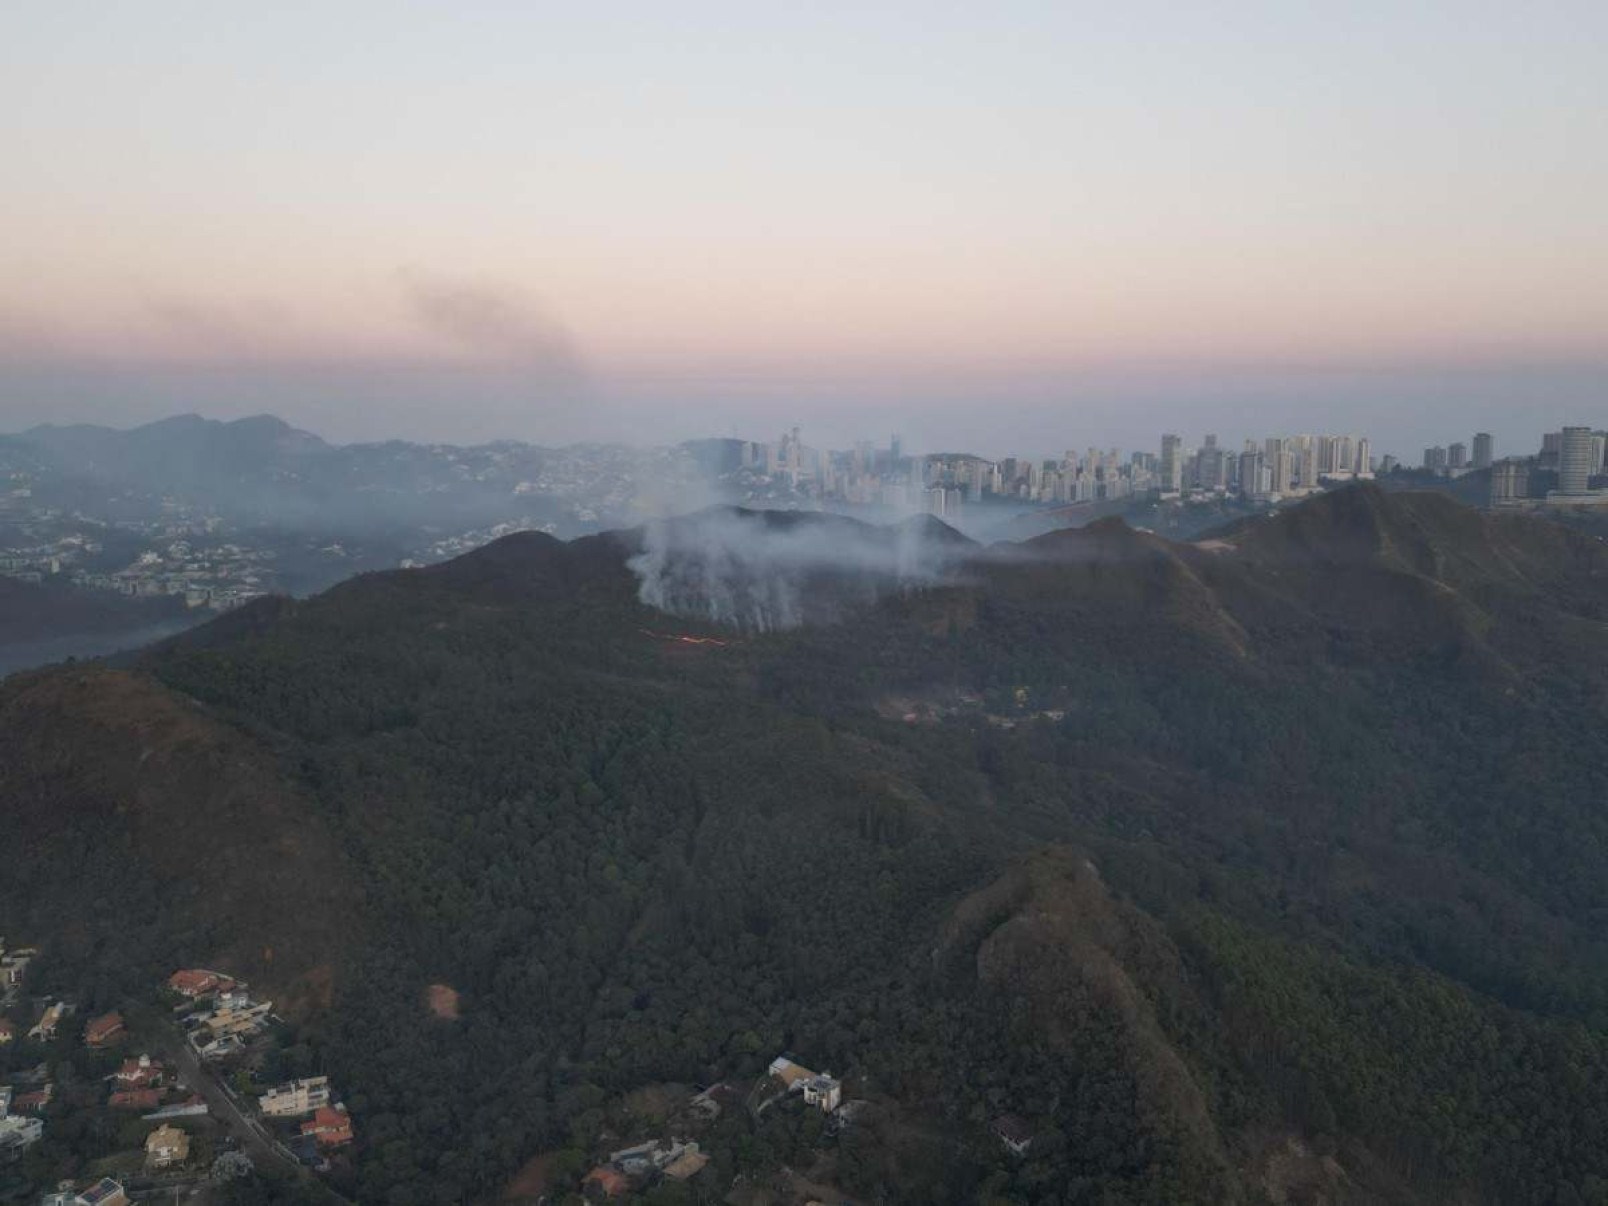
(764, 571)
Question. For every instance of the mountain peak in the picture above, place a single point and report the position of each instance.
(930, 527)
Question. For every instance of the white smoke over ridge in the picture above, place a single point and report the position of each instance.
(764, 572)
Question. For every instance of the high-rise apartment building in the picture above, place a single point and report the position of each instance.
(1306, 463)
(1484, 450)
(1172, 464)
(1574, 461)
(1209, 466)
(1276, 464)
(1250, 471)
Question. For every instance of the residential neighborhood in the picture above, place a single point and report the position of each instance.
(198, 1086)
(175, 559)
(174, 1075)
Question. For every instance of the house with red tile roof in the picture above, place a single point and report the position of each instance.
(33, 1102)
(141, 1073)
(135, 1099)
(330, 1125)
(104, 1029)
(197, 982)
(611, 1182)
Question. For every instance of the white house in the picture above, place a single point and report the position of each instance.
(823, 1092)
(296, 1097)
(17, 1132)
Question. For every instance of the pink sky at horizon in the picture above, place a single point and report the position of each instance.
(636, 208)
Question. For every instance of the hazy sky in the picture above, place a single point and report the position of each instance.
(1017, 226)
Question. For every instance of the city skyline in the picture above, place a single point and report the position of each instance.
(1476, 451)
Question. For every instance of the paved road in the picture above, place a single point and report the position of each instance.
(253, 1136)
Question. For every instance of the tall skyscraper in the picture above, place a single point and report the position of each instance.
(1484, 450)
(1249, 475)
(1345, 454)
(1276, 458)
(1172, 464)
(1209, 465)
(1327, 452)
(1574, 461)
(1457, 456)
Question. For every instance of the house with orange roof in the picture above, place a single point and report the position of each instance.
(104, 1029)
(610, 1182)
(331, 1126)
(135, 1099)
(34, 1101)
(197, 982)
(141, 1073)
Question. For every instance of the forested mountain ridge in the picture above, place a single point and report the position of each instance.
(1271, 868)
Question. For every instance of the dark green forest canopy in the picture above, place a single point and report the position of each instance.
(1184, 854)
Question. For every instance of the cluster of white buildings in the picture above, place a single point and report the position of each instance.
(219, 576)
(16, 1131)
(1274, 468)
(1566, 472)
(231, 1017)
(1269, 469)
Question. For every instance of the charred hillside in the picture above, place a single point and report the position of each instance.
(1265, 868)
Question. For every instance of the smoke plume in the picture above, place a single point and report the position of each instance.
(763, 571)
